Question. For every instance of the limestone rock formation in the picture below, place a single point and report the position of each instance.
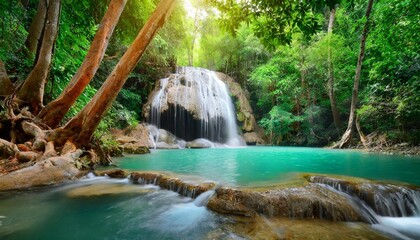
(134, 140)
(311, 201)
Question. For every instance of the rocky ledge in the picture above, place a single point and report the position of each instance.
(184, 187)
(320, 197)
(310, 201)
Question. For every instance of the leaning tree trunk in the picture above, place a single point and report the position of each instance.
(55, 111)
(346, 138)
(7, 87)
(35, 30)
(330, 84)
(81, 127)
(32, 90)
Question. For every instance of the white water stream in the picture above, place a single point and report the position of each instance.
(195, 103)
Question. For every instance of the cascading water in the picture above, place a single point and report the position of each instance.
(393, 210)
(194, 104)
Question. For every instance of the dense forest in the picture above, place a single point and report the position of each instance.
(313, 70)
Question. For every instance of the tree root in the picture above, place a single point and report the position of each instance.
(33, 130)
(7, 149)
(52, 170)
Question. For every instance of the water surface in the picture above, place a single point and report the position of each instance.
(260, 165)
(144, 212)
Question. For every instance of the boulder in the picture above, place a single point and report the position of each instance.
(252, 138)
(135, 148)
(113, 173)
(199, 143)
(311, 201)
(126, 139)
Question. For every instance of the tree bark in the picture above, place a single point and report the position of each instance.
(86, 121)
(35, 30)
(6, 85)
(346, 138)
(330, 84)
(32, 90)
(55, 111)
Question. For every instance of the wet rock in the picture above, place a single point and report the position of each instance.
(135, 148)
(126, 139)
(260, 227)
(384, 198)
(105, 189)
(252, 138)
(166, 137)
(184, 188)
(311, 201)
(199, 143)
(113, 173)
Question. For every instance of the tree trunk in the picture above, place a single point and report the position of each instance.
(330, 84)
(35, 30)
(55, 111)
(86, 121)
(346, 138)
(7, 87)
(32, 90)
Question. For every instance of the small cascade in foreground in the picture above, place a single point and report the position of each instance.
(195, 105)
(182, 187)
(385, 199)
(393, 210)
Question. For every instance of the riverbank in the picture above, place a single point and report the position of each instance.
(392, 149)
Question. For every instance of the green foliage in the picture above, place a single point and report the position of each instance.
(275, 21)
(117, 117)
(279, 123)
(277, 81)
(130, 100)
(14, 22)
(287, 84)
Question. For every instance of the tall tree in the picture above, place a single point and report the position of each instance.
(35, 30)
(81, 127)
(32, 90)
(346, 138)
(55, 111)
(330, 83)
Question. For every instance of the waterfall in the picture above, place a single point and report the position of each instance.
(195, 104)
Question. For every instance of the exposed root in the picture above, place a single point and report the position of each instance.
(52, 170)
(68, 147)
(27, 156)
(33, 130)
(7, 148)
